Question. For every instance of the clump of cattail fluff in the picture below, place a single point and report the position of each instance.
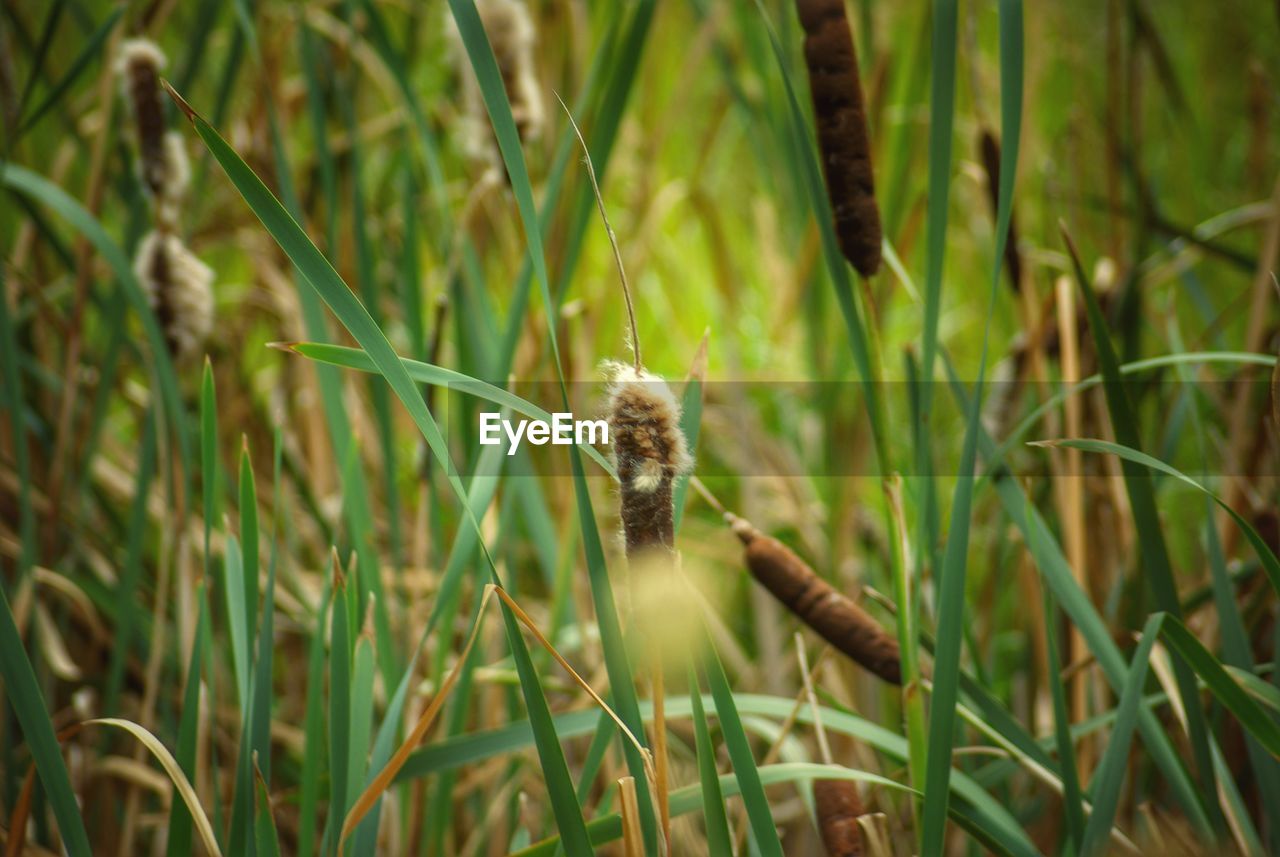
(837, 806)
(834, 616)
(841, 117)
(990, 150)
(179, 287)
(162, 159)
(512, 36)
(649, 451)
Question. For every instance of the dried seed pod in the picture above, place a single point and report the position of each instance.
(991, 163)
(650, 451)
(841, 118)
(511, 34)
(815, 602)
(838, 806)
(179, 287)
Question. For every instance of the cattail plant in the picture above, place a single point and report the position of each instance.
(162, 159)
(841, 117)
(512, 36)
(836, 802)
(650, 452)
(989, 148)
(831, 614)
(178, 285)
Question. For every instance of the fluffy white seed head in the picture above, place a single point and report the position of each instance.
(180, 289)
(644, 426)
(140, 52)
(511, 34)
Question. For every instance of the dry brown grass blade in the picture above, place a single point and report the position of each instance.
(632, 838)
(170, 765)
(373, 792)
(21, 812)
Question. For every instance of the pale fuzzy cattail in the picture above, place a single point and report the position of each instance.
(833, 615)
(837, 806)
(179, 287)
(841, 117)
(162, 159)
(511, 34)
(650, 452)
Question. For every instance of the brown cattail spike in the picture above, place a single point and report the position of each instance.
(991, 163)
(650, 452)
(837, 806)
(841, 118)
(815, 602)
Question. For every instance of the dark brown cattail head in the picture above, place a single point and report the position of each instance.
(179, 287)
(841, 117)
(834, 616)
(991, 164)
(838, 806)
(162, 160)
(650, 452)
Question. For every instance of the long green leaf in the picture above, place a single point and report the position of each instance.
(1146, 520)
(1109, 777)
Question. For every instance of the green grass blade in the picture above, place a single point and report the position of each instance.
(1072, 801)
(1146, 519)
(27, 701)
(719, 841)
(1056, 573)
(179, 843)
(1109, 777)
(315, 748)
(745, 773)
(951, 588)
(1222, 685)
(339, 709)
(439, 376)
(127, 608)
(1138, 458)
(266, 838)
(92, 47)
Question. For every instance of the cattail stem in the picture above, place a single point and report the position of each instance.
(613, 239)
(831, 614)
(841, 118)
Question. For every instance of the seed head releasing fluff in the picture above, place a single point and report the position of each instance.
(650, 452)
(512, 36)
(162, 160)
(179, 287)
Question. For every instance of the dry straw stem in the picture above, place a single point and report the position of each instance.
(841, 118)
(834, 616)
